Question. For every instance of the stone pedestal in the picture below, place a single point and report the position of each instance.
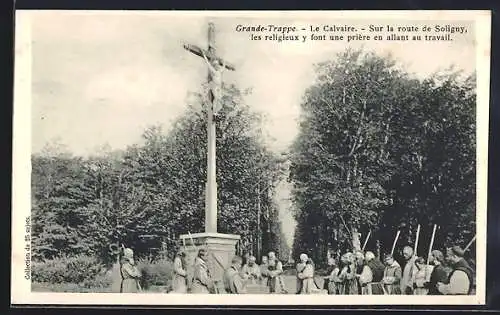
(221, 249)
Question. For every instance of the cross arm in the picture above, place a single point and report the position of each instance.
(199, 52)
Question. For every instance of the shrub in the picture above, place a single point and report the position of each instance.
(155, 273)
(49, 271)
(85, 271)
(102, 280)
(83, 268)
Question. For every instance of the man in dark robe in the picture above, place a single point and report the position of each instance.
(377, 268)
(439, 272)
(461, 279)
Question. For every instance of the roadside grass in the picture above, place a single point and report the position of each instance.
(76, 288)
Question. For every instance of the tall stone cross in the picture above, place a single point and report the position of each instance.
(211, 184)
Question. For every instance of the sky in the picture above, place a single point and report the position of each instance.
(103, 78)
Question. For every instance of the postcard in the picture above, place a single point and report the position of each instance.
(183, 158)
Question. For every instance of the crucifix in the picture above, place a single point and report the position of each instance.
(216, 66)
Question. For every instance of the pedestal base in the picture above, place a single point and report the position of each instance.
(221, 249)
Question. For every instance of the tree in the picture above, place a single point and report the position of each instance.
(59, 200)
(436, 183)
(144, 197)
(340, 162)
(373, 142)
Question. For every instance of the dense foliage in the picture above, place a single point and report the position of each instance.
(147, 195)
(84, 271)
(379, 150)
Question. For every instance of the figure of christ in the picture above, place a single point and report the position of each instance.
(215, 85)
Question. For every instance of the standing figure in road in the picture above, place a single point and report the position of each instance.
(359, 257)
(329, 268)
(275, 267)
(365, 277)
(307, 276)
(409, 271)
(202, 281)
(264, 270)
(216, 69)
(252, 271)
(179, 281)
(422, 276)
(348, 275)
(334, 283)
(130, 273)
(376, 271)
(392, 276)
(233, 281)
(300, 268)
(439, 272)
(461, 279)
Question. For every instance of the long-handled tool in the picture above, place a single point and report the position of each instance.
(430, 251)
(470, 243)
(395, 241)
(366, 241)
(416, 240)
(432, 243)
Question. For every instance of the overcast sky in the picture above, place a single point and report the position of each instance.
(103, 78)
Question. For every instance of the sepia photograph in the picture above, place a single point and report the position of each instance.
(213, 158)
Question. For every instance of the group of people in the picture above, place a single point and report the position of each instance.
(356, 273)
(363, 273)
(242, 272)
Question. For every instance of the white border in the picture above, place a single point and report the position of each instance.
(21, 203)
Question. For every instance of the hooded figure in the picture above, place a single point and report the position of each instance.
(333, 283)
(251, 270)
(422, 276)
(439, 272)
(348, 274)
(275, 282)
(300, 268)
(130, 273)
(307, 276)
(233, 281)
(371, 276)
(202, 281)
(392, 276)
(179, 281)
(461, 279)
